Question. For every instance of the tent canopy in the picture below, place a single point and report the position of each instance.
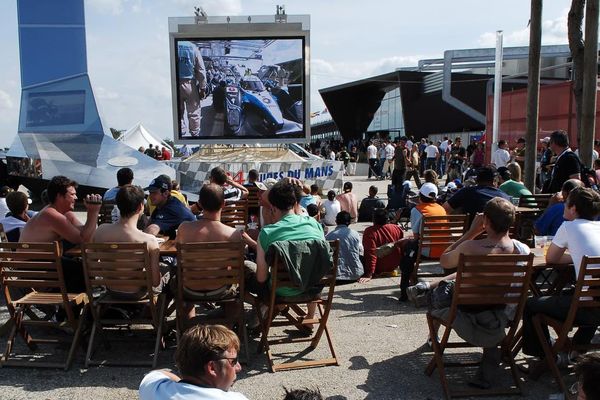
(138, 136)
(224, 154)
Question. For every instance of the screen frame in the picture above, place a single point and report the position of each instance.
(249, 31)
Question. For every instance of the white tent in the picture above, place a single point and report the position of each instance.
(138, 136)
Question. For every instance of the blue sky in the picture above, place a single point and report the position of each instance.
(128, 52)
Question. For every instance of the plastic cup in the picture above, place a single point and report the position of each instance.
(240, 228)
(540, 241)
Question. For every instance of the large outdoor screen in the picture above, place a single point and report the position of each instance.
(244, 89)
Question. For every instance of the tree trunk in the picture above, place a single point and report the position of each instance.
(533, 93)
(590, 82)
(576, 45)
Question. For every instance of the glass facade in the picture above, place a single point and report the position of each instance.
(389, 115)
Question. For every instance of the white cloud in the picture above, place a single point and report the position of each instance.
(554, 31)
(6, 102)
(104, 94)
(114, 7)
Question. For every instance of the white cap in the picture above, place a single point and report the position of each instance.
(429, 190)
(451, 186)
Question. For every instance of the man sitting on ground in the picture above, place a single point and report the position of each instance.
(207, 358)
(169, 212)
(210, 229)
(376, 236)
(124, 177)
(130, 201)
(18, 215)
(369, 204)
(498, 215)
(349, 201)
(57, 221)
(350, 267)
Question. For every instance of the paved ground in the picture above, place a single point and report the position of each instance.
(379, 341)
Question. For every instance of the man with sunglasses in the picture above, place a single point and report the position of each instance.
(207, 358)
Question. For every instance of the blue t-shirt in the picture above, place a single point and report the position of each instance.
(111, 194)
(549, 222)
(473, 199)
(170, 216)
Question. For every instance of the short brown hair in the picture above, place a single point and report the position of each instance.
(587, 371)
(501, 214)
(515, 171)
(211, 197)
(201, 344)
(16, 202)
(586, 202)
(59, 185)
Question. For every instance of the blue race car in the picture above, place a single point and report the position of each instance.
(260, 108)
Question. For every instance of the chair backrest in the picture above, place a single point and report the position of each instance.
(253, 196)
(35, 266)
(117, 266)
(105, 214)
(280, 276)
(204, 266)
(493, 280)
(235, 213)
(32, 265)
(442, 230)
(535, 201)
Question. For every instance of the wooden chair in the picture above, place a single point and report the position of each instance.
(254, 202)
(535, 201)
(439, 231)
(111, 268)
(235, 213)
(204, 266)
(292, 314)
(37, 268)
(3, 237)
(586, 296)
(489, 280)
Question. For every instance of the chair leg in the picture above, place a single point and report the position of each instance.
(438, 356)
(159, 323)
(11, 338)
(549, 352)
(88, 355)
(76, 337)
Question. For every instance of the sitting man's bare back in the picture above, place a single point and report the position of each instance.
(130, 201)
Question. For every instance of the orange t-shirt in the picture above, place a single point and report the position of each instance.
(432, 209)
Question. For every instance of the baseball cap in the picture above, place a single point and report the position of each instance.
(486, 174)
(260, 186)
(545, 140)
(269, 182)
(429, 190)
(451, 186)
(158, 183)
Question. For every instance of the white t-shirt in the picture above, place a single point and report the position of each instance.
(389, 151)
(3, 207)
(580, 237)
(157, 386)
(372, 151)
(444, 146)
(431, 151)
(332, 155)
(500, 158)
(332, 208)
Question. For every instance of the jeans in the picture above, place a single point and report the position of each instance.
(414, 173)
(556, 307)
(430, 164)
(373, 167)
(398, 176)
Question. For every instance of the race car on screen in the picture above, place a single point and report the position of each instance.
(259, 108)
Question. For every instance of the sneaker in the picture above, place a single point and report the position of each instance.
(416, 293)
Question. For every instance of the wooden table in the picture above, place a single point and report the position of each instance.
(168, 248)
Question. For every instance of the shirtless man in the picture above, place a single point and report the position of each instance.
(210, 228)
(130, 201)
(57, 221)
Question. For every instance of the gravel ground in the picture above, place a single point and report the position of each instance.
(379, 343)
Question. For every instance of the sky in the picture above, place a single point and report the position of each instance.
(128, 50)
